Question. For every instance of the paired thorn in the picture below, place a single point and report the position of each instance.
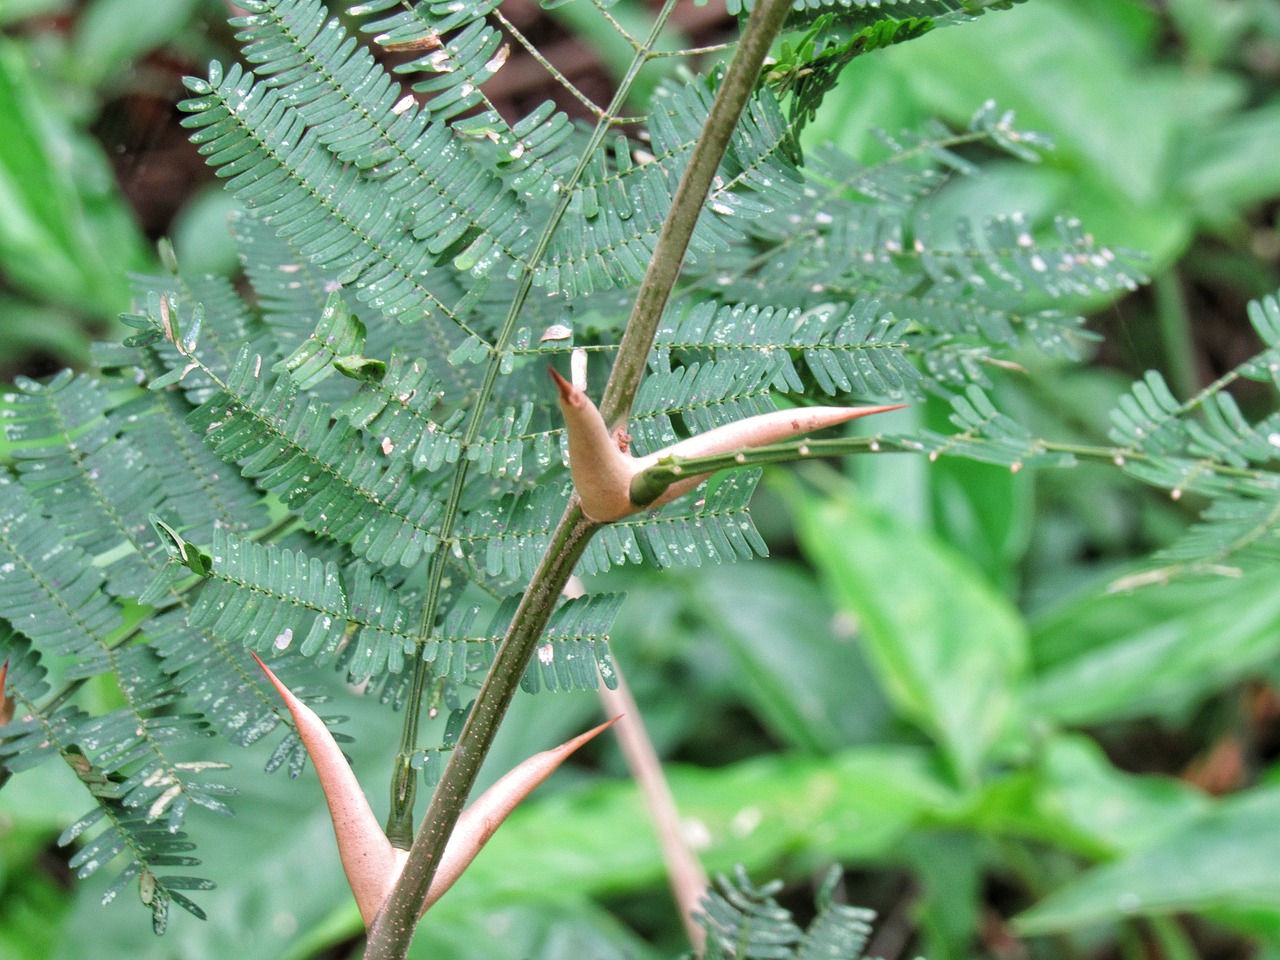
(371, 863)
(603, 471)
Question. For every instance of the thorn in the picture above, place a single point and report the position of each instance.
(567, 392)
(368, 859)
(479, 821)
(601, 472)
(370, 862)
(742, 435)
(7, 704)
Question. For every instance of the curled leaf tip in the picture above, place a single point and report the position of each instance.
(368, 859)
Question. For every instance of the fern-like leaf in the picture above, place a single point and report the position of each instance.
(336, 482)
(745, 922)
(272, 599)
(50, 589)
(622, 201)
(95, 483)
(355, 109)
(338, 219)
(126, 806)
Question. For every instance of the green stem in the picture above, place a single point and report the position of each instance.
(649, 484)
(392, 930)
(404, 784)
(766, 20)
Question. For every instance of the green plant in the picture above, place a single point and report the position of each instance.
(397, 461)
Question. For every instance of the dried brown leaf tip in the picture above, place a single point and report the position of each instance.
(602, 471)
(371, 863)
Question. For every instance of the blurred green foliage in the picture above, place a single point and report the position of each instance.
(931, 684)
(68, 237)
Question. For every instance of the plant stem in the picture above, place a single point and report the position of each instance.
(392, 930)
(685, 873)
(404, 783)
(647, 485)
(735, 90)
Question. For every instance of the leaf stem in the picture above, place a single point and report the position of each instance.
(650, 483)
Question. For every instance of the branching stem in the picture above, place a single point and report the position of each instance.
(392, 930)
(765, 22)
(404, 779)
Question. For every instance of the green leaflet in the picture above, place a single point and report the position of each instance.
(340, 220)
(1221, 857)
(506, 539)
(352, 106)
(271, 600)
(621, 203)
(51, 591)
(339, 483)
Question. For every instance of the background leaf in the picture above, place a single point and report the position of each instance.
(1224, 858)
(795, 660)
(1153, 651)
(65, 236)
(949, 651)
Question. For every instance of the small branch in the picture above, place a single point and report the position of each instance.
(685, 873)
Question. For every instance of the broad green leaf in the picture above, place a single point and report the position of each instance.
(113, 33)
(982, 510)
(1155, 651)
(1232, 165)
(797, 666)
(540, 926)
(1058, 63)
(1226, 857)
(201, 233)
(1059, 68)
(949, 651)
(854, 805)
(1075, 799)
(65, 234)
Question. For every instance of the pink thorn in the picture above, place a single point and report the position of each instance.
(480, 820)
(368, 858)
